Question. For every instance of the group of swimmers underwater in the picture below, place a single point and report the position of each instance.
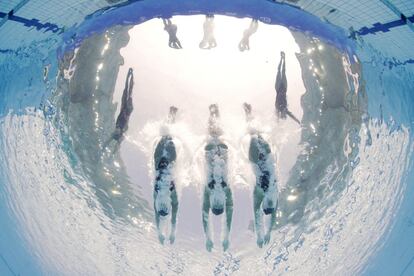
(217, 194)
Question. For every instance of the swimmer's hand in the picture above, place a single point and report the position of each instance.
(209, 245)
(225, 244)
(267, 238)
(172, 238)
(161, 238)
(259, 242)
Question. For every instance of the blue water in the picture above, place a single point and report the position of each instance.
(68, 209)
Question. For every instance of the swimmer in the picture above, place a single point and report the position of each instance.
(217, 193)
(208, 41)
(244, 44)
(265, 191)
(165, 194)
(121, 125)
(171, 29)
(281, 91)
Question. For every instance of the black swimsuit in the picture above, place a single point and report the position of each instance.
(157, 187)
(213, 183)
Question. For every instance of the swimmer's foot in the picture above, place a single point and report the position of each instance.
(161, 238)
(259, 242)
(209, 245)
(172, 238)
(247, 109)
(267, 238)
(173, 110)
(214, 111)
(226, 244)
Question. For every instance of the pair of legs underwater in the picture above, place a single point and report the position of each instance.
(281, 91)
(171, 29)
(244, 43)
(121, 124)
(208, 41)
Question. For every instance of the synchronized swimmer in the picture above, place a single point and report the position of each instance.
(217, 195)
(265, 191)
(281, 91)
(171, 29)
(165, 194)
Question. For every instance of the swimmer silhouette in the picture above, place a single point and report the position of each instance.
(208, 41)
(281, 91)
(217, 193)
(171, 29)
(165, 194)
(244, 44)
(121, 125)
(265, 190)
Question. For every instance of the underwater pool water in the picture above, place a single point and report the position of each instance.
(74, 201)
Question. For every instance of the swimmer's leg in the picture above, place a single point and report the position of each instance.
(214, 110)
(241, 46)
(172, 114)
(254, 25)
(206, 216)
(179, 44)
(258, 216)
(161, 237)
(281, 74)
(292, 116)
(174, 209)
(248, 111)
(271, 225)
(229, 216)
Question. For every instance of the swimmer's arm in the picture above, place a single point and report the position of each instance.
(174, 203)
